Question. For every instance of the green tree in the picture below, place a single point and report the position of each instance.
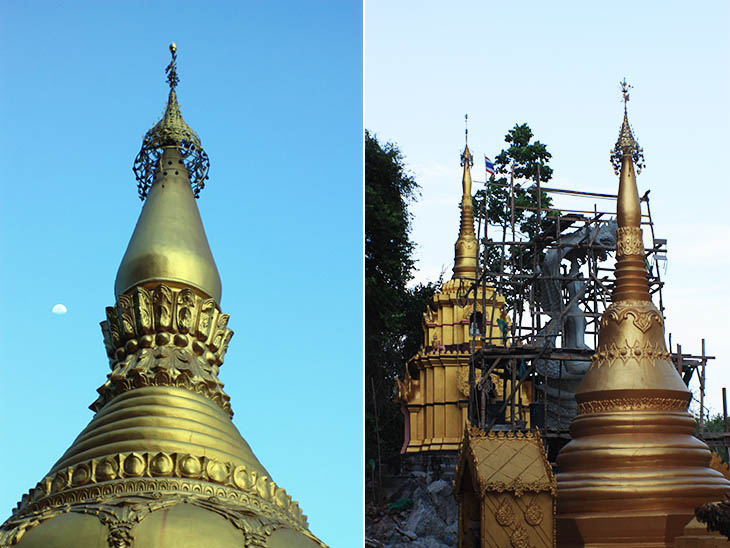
(392, 310)
(712, 423)
(525, 161)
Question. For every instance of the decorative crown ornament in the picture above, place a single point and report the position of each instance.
(171, 131)
(626, 143)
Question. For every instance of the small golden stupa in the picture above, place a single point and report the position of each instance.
(161, 465)
(435, 388)
(634, 472)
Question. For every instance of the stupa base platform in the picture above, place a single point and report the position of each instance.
(624, 530)
(696, 536)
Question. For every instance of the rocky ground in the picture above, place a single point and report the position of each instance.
(413, 513)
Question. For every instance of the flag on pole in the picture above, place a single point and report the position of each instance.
(488, 164)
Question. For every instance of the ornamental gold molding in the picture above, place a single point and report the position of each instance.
(505, 515)
(140, 472)
(165, 337)
(122, 513)
(462, 379)
(519, 538)
(629, 241)
(533, 514)
(649, 353)
(633, 404)
(518, 487)
(642, 314)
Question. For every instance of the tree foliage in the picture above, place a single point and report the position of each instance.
(393, 311)
(525, 161)
(712, 423)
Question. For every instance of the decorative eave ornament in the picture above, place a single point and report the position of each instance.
(171, 131)
(626, 144)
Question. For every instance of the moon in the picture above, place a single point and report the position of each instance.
(59, 309)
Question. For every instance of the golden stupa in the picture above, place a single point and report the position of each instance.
(435, 389)
(634, 472)
(161, 464)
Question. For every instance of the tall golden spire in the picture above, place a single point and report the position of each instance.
(169, 243)
(465, 260)
(161, 464)
(633, 472)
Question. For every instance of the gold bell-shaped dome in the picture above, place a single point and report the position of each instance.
(161, 464)
(169, 243)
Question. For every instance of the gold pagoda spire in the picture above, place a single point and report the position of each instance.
(161, 463)
(631, 279)
(633, 472)
(169, 243)
(465, 256)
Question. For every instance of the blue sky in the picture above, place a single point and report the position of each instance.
(557, 66)
(274, 90)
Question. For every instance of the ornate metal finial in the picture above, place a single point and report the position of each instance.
(171, 131)
(171, 69)
(466, 155)
(625, 87)
(626, 143)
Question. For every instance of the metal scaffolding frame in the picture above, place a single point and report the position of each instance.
(531, 327)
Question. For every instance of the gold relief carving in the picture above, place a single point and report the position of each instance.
(14, 529)
(190, 467)
(632, 404)
(515, 486)
(81, 475)
(134, 465)
(145, 348)
(610, 355)
(208, 312)
(519, 538)
(505, 515)
(629, 241)
(125, 307)
(185, 310)
(140, 473)
(110, 327)
(121, 512)
(462, 380)
(143, 305)
(533, 514)
(643, 314)
(161, 465)
(106, 470)
(162, 307)
(220, 332)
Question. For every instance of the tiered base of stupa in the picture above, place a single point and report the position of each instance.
(633, 479)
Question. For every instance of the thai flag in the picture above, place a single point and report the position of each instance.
(488, 165)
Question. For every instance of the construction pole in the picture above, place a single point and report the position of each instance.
(680, 364)
(724, 421)
(702, 391)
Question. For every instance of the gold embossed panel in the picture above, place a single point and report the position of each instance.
(513, 481)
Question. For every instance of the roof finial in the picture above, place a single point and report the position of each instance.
(466, 156)
(627, 144)
(625, 87)
(466, 248)
(171, 69)
(171, 131)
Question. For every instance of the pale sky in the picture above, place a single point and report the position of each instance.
(557, 66)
